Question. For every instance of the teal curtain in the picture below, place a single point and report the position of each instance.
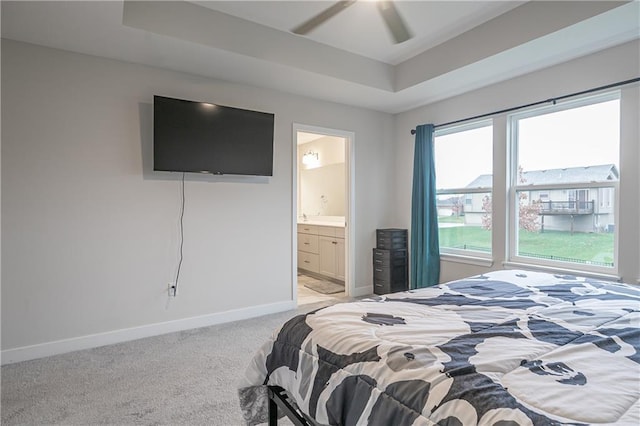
(425, 247)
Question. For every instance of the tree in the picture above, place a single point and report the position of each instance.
(487, 217)
(528, 213)
(458, 207)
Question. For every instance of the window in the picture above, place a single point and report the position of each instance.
(564, 183)
(606, 197)
(464, 172)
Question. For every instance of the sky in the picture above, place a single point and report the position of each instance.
(463, 156)
(584, 136)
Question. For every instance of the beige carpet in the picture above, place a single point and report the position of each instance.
(185, 378)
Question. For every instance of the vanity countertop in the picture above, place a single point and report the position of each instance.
(335, 224)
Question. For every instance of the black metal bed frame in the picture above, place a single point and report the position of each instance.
(278, 399)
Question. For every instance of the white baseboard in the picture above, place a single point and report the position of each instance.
(361, 291)
(41, 350)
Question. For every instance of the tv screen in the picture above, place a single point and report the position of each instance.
(200, 137)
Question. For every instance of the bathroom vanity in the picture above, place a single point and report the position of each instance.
(321, 248)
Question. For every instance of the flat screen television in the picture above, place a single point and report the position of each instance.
(200, 137)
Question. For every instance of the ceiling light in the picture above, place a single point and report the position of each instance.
(310, 158)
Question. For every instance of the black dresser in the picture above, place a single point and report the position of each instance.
(390, 262)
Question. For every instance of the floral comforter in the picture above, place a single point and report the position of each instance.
(504, 348)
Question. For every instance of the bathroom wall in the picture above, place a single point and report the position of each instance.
(322, 182)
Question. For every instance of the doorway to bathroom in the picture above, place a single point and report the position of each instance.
(323, 201)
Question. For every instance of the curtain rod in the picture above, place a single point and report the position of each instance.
(551, 100)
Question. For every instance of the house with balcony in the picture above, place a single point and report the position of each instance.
(576, 210)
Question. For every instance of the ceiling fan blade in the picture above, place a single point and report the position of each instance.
(394, 21)
(321, 17)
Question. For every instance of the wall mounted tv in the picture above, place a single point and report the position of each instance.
(200, 137)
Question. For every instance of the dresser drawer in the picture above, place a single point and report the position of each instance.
(331, 231)
(307, 229)
(390, 274)
(326, 231)
(391, 239)
(389, 257)
(308, 243)
(390, 261)
(382, 287)
(308, 261)
(381, 273)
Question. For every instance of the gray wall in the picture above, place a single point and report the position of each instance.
(90, 234)
(609, 66)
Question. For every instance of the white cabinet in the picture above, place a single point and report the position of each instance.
(340, 258)
(308, 261)
(321, 250)
(308, 258)
(308, 243)
(327, 256)
(307, 229)
(331, 252)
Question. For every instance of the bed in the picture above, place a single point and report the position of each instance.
(503, 348)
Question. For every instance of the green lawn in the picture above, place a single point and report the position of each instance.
(450, 219)
(580, 247)
(465, 237)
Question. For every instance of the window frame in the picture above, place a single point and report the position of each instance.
(468, 255)
(513, 187)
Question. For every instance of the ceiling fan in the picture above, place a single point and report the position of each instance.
(392, 18)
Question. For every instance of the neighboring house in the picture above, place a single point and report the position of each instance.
(579, 210)
(452, 206)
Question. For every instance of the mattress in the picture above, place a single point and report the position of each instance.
(503, 348)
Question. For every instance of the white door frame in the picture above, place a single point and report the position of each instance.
(349, 280)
